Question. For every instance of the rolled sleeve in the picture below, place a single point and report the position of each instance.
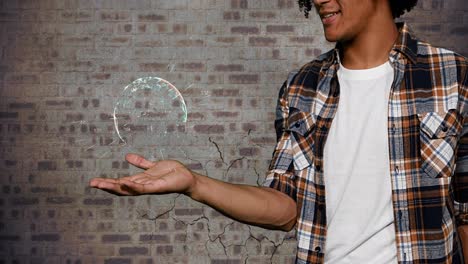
(460, 178)
(281, 174)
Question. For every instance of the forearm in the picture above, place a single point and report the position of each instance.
(259, 206)
(463, 233)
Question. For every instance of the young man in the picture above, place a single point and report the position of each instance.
(369, 136)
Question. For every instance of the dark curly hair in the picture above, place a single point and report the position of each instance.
(399, 7)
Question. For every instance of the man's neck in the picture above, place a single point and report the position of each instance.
(370, 48)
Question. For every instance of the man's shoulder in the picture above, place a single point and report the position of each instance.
(428, 53)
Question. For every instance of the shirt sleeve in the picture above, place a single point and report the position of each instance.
(460, 179)
(280, 175)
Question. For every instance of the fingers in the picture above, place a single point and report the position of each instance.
(113, 186)
(139, 161)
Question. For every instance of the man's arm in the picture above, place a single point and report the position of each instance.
(259, 206)
(460, 179)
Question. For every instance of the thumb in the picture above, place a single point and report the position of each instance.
(139, 161)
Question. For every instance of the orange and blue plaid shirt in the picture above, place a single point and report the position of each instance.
(428, 149)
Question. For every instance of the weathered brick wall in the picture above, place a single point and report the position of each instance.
(65, 62)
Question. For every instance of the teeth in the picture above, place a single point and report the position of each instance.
(329, 15)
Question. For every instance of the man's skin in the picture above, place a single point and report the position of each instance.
(366, 32)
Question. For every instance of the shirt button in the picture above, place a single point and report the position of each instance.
(318, 168)
(297, 125)
(444, 128)
(318, 249)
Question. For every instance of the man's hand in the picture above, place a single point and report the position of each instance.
(260, 206)
(160, 177)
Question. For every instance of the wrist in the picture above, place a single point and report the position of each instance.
(194, 189)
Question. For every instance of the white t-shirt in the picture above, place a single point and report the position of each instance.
(356, 170)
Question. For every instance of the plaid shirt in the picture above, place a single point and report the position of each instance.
(428, 139)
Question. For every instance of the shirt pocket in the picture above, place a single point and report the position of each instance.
(301, 126)
(439, 133)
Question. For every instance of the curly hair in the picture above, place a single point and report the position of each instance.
(399, 7)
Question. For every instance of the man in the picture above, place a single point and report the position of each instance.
(369, 135)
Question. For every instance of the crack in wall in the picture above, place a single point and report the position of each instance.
(219, 239)
(219, 150)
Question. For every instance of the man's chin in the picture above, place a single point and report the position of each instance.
(331, 38)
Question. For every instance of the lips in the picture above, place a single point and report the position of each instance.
(329, 17)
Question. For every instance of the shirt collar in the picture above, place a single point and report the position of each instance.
(406, 44)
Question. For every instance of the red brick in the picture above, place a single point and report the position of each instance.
(225, 114)
(161, 239)
(99, 76)
(98, 201)
(179, 28)
(115, 238)
(228, 39)
(313, 52)
(263, 140)
(5, 237)
(74, 117)
(285, 4)
(9, 16)
(161, 28)
(114, 16)
(192, 66)
(46, 237)
(231, 15)
(8, 115)
(194, 166)
(247, 127)
(245, 30)
(262, 41)
(209, 129)
(47, 165)
(239, 4)
(226, 92)
(243, 78)
(151, 17)
(190, 43)
(147, 42)
(153, 67)
(228, 67)
(118, 261)
(302, 40)
(165, 249)
(262, 15)
(24, 201)
(189, 212)
(248, 152)
(116, 41)
(133, 251)
(280, 29)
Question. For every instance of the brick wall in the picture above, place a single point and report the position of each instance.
(63, 66)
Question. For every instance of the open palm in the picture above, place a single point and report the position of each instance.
(167, 176)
